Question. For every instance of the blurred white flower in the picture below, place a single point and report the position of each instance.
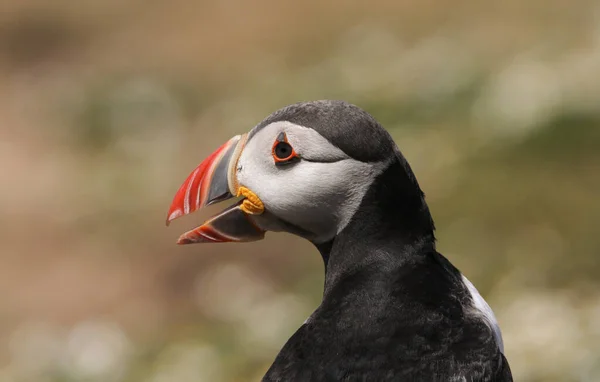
(548, 320)
(518, 99)
(97, 350)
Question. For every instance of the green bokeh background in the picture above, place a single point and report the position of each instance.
(106, 106)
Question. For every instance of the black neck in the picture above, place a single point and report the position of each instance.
(391, 225)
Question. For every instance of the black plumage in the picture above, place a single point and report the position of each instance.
(393, 309)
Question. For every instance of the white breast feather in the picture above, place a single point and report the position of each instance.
(488, 315)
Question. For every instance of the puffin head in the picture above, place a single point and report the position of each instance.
(305, 169)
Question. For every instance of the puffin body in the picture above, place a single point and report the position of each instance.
(393, 309)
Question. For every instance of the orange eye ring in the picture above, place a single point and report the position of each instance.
(282, 151)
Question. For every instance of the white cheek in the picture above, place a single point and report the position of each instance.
(319, 194)
(318, 197)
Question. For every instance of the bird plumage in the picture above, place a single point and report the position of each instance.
(393, 308)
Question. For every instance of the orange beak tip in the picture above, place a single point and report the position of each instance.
(173, 215)
(190, 237)
(184, 241)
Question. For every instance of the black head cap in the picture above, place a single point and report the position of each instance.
(350, 128)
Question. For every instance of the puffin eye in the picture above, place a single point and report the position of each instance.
(283, 152)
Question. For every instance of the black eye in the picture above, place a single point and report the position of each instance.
(283, 151)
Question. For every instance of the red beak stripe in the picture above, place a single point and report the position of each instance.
(193, 193)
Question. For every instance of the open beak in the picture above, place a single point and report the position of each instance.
(214, 180)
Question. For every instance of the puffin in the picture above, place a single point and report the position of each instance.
(393, 307)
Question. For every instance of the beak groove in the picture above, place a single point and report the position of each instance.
(215, 180)
(207, 184)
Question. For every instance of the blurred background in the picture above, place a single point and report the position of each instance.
(106, 106)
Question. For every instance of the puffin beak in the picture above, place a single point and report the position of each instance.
(214, 180)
